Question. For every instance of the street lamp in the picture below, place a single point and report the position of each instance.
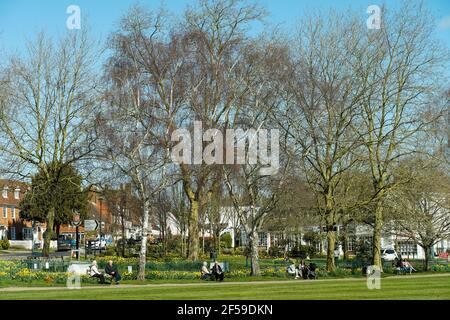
(100, 198)
(77, 222)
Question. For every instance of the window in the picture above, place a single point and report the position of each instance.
(12, 233)
(5, 192)
(408, 249)
(27, 234)
(350, 243)
(262, 239)
(5, 213)
(17, 194)
(13, 212)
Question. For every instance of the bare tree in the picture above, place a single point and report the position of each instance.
(180, 211)
(320, 114)
(254, 192)
(422, 207)
(131, 150)
(402, 67)
(124, 207)
(45, 116)
(190, 70)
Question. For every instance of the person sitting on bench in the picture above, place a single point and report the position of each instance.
(217, 272)
(293, 270)
(206, 274)
(111, 269)
(94, 273)
(407, 267)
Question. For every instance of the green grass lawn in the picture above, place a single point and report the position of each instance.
(436, 287)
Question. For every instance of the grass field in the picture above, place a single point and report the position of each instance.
(418, 287)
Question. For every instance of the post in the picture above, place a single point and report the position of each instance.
(77, 235)
(100, 243)
(32, 237)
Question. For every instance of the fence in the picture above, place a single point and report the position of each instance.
(43, 264)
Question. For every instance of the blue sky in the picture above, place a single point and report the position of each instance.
(21, 19)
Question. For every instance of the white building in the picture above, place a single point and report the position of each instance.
(231, 224)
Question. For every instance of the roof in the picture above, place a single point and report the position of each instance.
(13, 183)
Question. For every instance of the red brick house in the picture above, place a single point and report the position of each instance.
(12, 227)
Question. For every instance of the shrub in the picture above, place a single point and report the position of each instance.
(155, 250)
(209, 245)
(226, 251)
(337, 273)
(262, 253)
(276, 252)
(226, 240)
(311, 237)
(302, 252)
(110, 251)
(4, 244)
(363, 250)
(440, 268)
(238, 251)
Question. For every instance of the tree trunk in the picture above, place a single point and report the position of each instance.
(331, 241)
(193, 244)
(345, 246)
(182, 244)
(376, 252)
(143, 252)
(123, 233)
(254, 254)
(48, 232)
(203, 241)
(217, 246)
(427, 251)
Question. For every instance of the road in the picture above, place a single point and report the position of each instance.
(18, 255)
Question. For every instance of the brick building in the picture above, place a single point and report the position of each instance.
(12, 227)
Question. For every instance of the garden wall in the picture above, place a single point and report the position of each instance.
(27, 244)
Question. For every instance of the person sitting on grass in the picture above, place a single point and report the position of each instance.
(217, 272)
(94, 273)
(293, 270)
(206, 274)
(111, 269)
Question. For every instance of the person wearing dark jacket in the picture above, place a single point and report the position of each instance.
(111, 269)
(217, 272)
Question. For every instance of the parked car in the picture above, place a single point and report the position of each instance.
(389, 254)
(64, 243)
(95, 244)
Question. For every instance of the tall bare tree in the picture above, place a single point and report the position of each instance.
(189, 70)
(253, 189)
(132, 143)
(320, 114)
(403, 64)
(422, 206)
(45, 116)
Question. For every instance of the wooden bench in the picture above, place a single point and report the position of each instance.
(224, 265)
(102, 271)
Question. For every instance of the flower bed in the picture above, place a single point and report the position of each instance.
(174, 270)
(440, 268)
